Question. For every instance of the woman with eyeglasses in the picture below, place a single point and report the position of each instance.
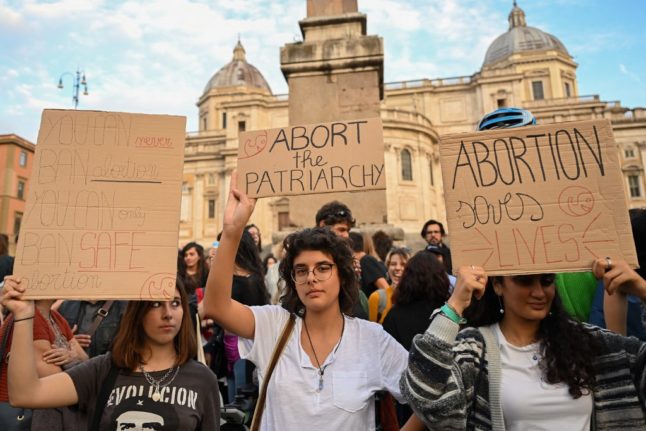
(332, 365)
(523, 363)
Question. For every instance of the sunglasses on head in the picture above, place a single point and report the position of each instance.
(340, 214)
(527, 280)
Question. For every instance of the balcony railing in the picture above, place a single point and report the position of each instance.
(439, 82)
(558, 101)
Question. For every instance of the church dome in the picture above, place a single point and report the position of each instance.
(520, 38)
(238, 73)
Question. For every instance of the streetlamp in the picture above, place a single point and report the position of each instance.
(78, 81)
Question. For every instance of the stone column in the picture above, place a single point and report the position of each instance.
(336, 73)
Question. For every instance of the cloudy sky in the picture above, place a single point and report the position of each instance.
(155, 56)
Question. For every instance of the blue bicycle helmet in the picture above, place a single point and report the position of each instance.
(505, 118)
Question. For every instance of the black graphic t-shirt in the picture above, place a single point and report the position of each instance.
(189, 402)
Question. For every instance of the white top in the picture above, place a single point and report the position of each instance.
(529, 403)
(367, 360)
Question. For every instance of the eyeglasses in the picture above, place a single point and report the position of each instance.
(321, 271)
(527, 280)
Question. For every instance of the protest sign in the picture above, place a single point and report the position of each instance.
(318, 158)
(102, 213)
(536, 199)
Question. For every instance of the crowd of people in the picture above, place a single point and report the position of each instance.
(336, 329)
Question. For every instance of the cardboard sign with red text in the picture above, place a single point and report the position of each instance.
(536, 199)
(318, 158)
(102, 212)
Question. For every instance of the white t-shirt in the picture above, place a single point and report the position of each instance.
(367, 360)
(529, 403)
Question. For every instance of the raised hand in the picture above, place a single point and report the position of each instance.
(12, 292)
(239, 207)
(471, 282)
(618, 276)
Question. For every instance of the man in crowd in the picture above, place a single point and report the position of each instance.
(337, 217)
(95, 323)
(433, 233)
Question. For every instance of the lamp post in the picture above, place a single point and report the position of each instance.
(78, 80)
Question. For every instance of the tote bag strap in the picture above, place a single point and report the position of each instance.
(278, 349)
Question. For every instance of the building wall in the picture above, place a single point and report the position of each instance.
(11, 205)
(414, 113)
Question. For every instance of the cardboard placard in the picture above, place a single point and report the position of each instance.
(317, 158)
(536, 199)
(102, 212)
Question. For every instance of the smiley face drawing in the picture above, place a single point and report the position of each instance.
(576, 201)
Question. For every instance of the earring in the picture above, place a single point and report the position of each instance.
(502, 310)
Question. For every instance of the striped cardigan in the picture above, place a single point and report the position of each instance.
(445, 368)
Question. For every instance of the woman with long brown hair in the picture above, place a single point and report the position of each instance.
(148, 378)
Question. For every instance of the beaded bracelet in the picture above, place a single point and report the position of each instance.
(24, 318)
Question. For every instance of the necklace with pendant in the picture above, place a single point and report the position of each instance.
(159, 384)
(318, 364)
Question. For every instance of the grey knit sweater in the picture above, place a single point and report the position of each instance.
(446, 367)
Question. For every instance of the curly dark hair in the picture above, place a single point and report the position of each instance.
(323, 240)
(424, 279)
(334, 212)
(567, 346)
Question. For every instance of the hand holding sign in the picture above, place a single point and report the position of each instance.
(239, 207)
(470, 283)
(618, 276)
(12, 292)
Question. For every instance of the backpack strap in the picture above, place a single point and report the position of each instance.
(101, 314)
(102, 398)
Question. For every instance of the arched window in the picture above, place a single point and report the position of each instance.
(407, 166)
